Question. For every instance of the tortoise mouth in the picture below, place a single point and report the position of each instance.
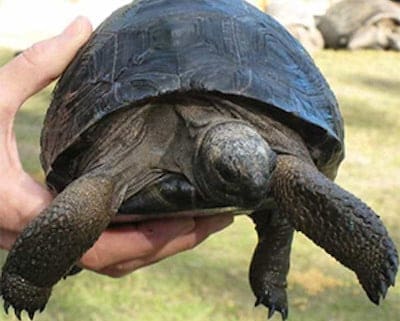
(233, 164)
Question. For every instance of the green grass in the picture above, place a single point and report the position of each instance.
(210, 282)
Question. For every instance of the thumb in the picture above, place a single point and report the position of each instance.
(37, 66)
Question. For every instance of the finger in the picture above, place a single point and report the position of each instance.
(204, 228)
(7, 239)
(128, 243)
(37, 66)
(24, 198)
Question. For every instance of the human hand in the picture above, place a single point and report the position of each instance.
(118, 251)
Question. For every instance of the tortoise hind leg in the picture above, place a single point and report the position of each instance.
(338, 222)
(54, 241)
(270, 264)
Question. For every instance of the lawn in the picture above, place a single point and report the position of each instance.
(210, 282)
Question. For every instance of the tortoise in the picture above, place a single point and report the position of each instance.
(177, 108)
(299, 20)
(358, 24)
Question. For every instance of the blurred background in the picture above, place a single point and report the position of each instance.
(316, 24)
(355, 43)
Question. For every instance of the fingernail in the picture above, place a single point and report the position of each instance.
(75, 27)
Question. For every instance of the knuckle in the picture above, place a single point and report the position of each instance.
(92, 260)
(33, 55)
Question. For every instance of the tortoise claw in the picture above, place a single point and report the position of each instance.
(17, 313)
(6, 306)
(391, 272)
(284, 313)
(258, 302)
(392, 278)
(271, 311)
(272, 308)
(22, 295)
(31, 314)
(378, 289)
(383, 288)
(378, 279)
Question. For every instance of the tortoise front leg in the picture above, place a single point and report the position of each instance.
(270, 264)
(54, 241)
(338, 222)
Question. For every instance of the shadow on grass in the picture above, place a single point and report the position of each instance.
(389, 85)
(191, 280)
(192, 284)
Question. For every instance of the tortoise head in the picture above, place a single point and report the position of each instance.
(384, 33)
(233, 164)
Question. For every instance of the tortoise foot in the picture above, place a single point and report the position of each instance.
(376, 283)
(22, 295)
(275, 299)
(270, 264)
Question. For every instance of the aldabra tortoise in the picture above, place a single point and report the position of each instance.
(198, 107)
(298, 18)
(357, 24)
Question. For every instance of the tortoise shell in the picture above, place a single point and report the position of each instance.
(152, 48)
(343, 19)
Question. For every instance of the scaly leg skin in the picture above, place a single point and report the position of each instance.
(270, 264)
(338, 222)
(54, 241)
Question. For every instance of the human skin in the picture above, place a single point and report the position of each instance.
(118, 251)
